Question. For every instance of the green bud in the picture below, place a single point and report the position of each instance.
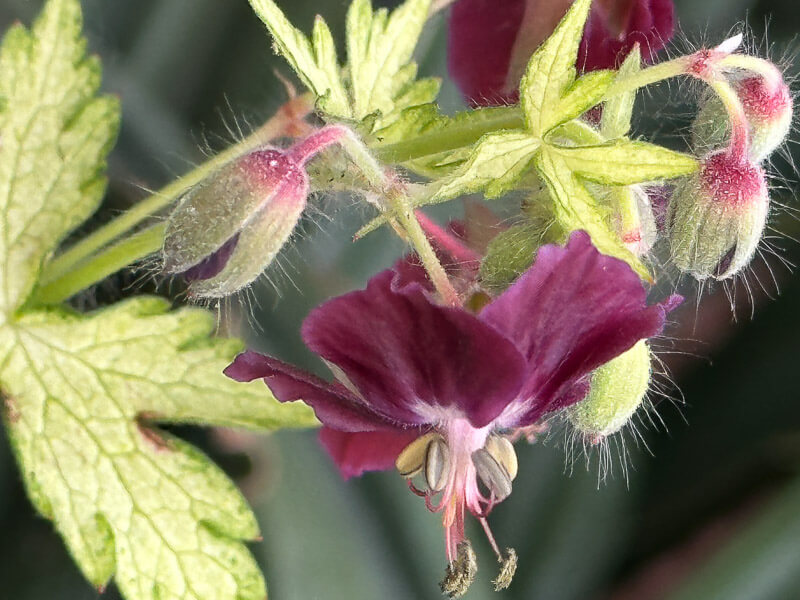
(617, 390)
(226, 230)
(716, 218)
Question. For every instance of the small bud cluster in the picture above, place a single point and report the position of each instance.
(717, 218)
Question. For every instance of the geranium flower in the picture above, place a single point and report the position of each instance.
(437, 390)
(490, 41)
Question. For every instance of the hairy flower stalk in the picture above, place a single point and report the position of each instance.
(437, 391)
(716, 218)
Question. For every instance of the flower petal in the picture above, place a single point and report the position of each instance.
(355, 453)
(480, 40)
(614, 27)
(572, 311)
(414, 361)
(333, 404)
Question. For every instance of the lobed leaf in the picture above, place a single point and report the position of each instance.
(624, 162)
(315, 64)
(551, 70)
(494, 167)
(54, 136)
(582, 95)
(83, 396)
(379, 48)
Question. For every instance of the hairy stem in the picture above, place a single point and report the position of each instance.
(648, 76)
(284, 122)
(103, 264)
(740, 134)
(404, 213)
(454, 137)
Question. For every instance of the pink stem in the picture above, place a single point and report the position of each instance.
(445, 240)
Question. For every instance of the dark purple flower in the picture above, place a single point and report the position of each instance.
(616, 26)
(446, 384)
(490, 41)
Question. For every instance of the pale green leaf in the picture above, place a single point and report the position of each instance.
(495, 165)
(379, 48)
(551, 70)
(315, 64)
(82, 396)
(582, 95)
(618, 110)
(574, 208)
(54, 136)
(623, 162)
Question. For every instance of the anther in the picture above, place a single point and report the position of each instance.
(496, 466)
(460, 572)
(428, 455)
(437, 464)
(411, 460)
(508, 566)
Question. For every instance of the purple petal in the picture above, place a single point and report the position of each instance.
(413, 360)
(481, 38)
(615, 27)
(355, 453)
(212, 265)
(332, 403)
(572, 311)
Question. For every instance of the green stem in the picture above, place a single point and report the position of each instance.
(289, 114)
(106, 263)
(73, 270)
(398, 204)
(455, 136)
(648, 76)
(404, 213)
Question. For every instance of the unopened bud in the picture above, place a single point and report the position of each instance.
(767, 106)
(716, 218)
(227, 230)
(617, 390)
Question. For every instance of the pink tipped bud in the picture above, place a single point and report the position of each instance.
(767, 107)
(228, 229)
(716, 218)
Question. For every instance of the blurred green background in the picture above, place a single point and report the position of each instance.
(712, 510)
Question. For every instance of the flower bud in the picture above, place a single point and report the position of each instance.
(767, 106)
(226, 230)
(716, 217)
(617, 389)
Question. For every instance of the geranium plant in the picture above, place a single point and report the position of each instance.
(460, 349)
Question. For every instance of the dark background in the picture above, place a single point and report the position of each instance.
(711, 511)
